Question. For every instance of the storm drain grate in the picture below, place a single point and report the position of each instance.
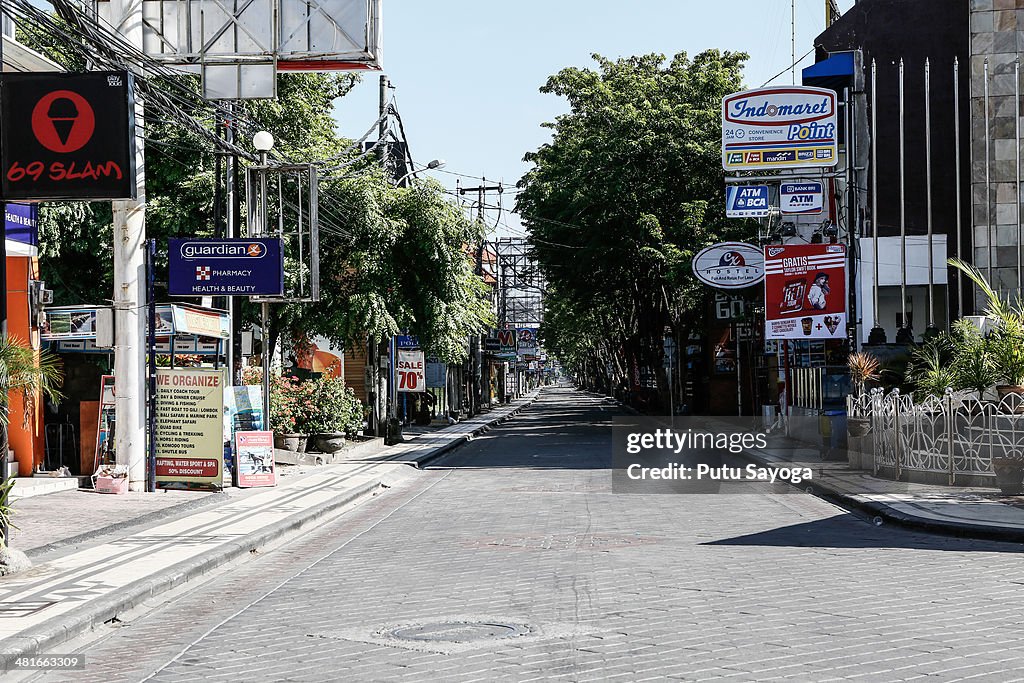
(458, 631)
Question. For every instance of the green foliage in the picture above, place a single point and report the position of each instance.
(930, 369)
(6, 509)
(1006, 341)
(404, 267)
(396, 262)
(333, 408)
(286, 395)
(320, 406)
(863, 368)
(972, 360)
(962, 358)
(627, 191)
(28, 372)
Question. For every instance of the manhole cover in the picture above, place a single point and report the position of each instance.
(458, 631)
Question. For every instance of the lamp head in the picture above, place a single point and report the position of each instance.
(263, 141)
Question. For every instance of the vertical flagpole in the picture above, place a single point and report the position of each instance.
(874, 180)
(959, 179)
(988, 178)
(903, 204)
(928, 181)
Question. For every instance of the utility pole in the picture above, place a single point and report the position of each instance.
(231, 231)
(475, 353)
(384, 384)
(129, 268)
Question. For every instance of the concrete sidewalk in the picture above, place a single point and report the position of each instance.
(968, 512)
(959, 511)
(74, 589)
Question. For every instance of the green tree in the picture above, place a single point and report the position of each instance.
(627, 191)
(392, 259)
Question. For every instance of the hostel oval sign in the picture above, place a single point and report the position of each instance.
(729, 265)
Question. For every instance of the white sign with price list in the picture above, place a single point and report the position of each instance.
(410, 371)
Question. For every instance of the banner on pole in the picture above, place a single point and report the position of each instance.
(67, 135)
(410, 372)
(805, 291)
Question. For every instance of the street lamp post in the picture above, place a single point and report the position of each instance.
(264, 142)
(436, 163)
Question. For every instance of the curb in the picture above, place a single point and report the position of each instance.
(466, 438)
(60, 629)
(881, 513)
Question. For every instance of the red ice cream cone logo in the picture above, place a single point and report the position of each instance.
(63, 121)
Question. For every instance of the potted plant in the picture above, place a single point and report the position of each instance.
(331, 413)
(863, 368)
(285, 396)
(1006, 340)
(972, 361)
(1006, 348)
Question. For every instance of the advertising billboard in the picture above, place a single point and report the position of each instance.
(747, 201)
(255, 458)
(507, 344)
(729, 265)
(526, 341)
(21, 228)
(784, 127)
(67, 135)
(801, 198)
(805, 291)
(227, 267)
(190, 425)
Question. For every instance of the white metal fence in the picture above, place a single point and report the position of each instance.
(956, 434)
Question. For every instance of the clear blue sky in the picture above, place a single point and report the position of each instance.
(467, 72)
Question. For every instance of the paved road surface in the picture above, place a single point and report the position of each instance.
(520, 527)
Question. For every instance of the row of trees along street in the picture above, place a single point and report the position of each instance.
(627, 191)
(394, 259)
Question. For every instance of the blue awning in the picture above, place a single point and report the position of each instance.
(838, 65)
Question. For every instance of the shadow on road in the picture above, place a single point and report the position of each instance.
(845, 531)
(563, 429)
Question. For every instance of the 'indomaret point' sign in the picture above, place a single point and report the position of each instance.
(232, 267)
(786, 127)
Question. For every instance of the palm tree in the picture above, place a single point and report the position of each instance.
(28, 372)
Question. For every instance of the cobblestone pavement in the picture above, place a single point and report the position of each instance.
(55, 517)
(521, 527)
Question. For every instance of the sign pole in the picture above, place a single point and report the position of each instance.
(265, 323)
(129, 218)
(151, 361)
